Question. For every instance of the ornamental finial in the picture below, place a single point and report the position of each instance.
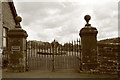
(18, 19)
(87, 18)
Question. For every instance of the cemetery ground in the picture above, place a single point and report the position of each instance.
(69, 73)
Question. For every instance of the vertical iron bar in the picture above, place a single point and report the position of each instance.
(47, 56)
(36, 67)
(77, 53)
(60, 56)
(39, 55)
(34, 55)
(26, 55)
(66, 57)
(53, 55)
(31, 56)
(72, 55)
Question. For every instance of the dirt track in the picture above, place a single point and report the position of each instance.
(56, 74)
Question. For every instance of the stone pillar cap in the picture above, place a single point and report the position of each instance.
(17, 31)
(88, 29)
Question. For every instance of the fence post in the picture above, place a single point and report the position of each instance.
(89, 46)
(17, 48)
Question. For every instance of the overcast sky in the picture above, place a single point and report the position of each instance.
(46, 20)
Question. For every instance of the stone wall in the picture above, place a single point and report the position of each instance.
(107, 57)
(0, 24)
(8, 19)
(0, 35)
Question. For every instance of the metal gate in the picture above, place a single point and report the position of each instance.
(53, 56)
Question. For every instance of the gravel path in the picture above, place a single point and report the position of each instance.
(56, 74)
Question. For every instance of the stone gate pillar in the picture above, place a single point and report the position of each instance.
(17, 48)
(89, 46)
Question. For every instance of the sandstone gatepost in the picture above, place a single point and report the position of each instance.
(89, 46)
(17, 50)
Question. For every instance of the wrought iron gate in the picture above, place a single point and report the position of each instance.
(53, 56)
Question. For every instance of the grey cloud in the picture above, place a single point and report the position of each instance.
(32, 11)
(106, 19)
(62, 20)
